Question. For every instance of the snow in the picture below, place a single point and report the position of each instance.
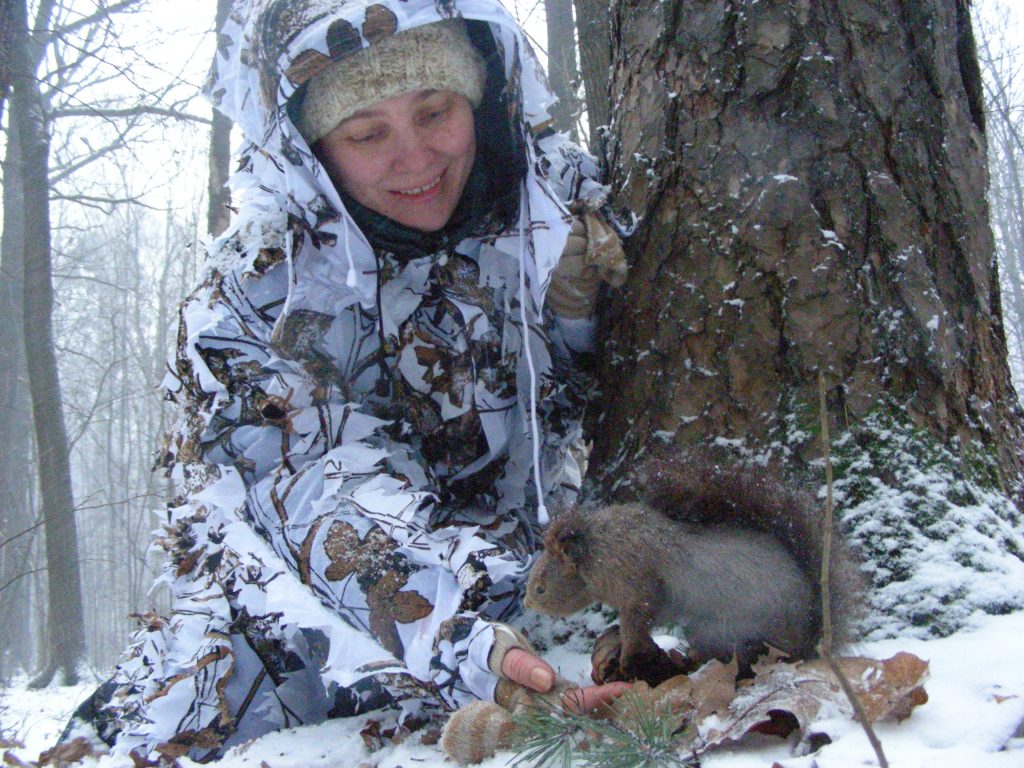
(976, 701)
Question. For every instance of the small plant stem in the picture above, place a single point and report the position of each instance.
(826, 602)
(826, 537)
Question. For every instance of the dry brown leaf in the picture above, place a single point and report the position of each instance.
(14, 762)
(708, 690)
(887, 690)
(768, 659)
(684, 698)
(786, 697)
(779, 700)
(68, 753)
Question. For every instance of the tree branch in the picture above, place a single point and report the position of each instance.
(128, 112)
(85, 21)
(105, 204)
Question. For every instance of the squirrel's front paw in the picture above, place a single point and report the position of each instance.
(654, 666)
(604, 661)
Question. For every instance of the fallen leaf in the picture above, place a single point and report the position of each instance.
(13, 761)
(888, 689)
(784, 697)
(372, 737)
(68, 753)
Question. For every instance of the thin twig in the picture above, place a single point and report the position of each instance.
(826, 606)
(826, 534)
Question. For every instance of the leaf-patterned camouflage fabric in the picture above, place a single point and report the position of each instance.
(355, 457)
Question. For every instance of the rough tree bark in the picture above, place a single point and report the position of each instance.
(593, 30)
(65, 622)
(811, 178)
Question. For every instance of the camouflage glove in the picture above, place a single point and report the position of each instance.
(479, 729)
(509, 694)
(593, 253)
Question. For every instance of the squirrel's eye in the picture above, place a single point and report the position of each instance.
(540, 590)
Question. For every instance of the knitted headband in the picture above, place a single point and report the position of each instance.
(436, 56)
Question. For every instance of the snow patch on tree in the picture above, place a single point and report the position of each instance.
(940, 539)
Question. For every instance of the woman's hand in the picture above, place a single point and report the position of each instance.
(531, 671)
(593, 254)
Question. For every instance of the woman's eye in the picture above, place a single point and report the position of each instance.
(434, 115)
(366, 138)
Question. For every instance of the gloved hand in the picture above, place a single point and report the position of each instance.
(523, 676)
(526, 683)
(593, 253)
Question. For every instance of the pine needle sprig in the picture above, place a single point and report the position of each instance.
(641, 737)
(545, 738)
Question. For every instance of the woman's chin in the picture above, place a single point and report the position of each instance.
(425, 218)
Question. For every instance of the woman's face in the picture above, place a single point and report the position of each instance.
(407, 157)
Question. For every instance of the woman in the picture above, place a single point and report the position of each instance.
(367, 446)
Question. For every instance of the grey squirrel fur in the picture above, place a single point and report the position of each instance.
(729, 556)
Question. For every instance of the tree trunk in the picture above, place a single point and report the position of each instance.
(15, 435)
(218, 214)
(7, 21)
(218, 195)
(563, 73)
(65, 625)
(594, 32)
(811, 179)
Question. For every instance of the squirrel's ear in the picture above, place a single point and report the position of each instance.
(571, 543)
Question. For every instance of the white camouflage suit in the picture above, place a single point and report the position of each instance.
(356, 457)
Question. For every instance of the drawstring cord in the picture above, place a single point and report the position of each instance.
(542, 510)
(352, 278)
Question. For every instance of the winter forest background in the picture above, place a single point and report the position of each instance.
(130, 161)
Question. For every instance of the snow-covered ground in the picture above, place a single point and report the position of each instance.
(976, 704)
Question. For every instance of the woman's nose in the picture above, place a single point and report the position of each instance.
(413, 153)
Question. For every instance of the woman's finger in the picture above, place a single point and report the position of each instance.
(584, 701)
(526, 669)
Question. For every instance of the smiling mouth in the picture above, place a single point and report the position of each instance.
(414, 191)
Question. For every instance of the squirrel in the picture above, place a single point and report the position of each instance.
(730, 556)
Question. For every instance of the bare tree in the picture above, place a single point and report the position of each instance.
(593, 28)
(28, 119)
(76, 78)
(219, 196)
(16, 518)
(8, 20)
(563, 72)
(1001, 60)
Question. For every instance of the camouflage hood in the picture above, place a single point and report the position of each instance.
(269, 49)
